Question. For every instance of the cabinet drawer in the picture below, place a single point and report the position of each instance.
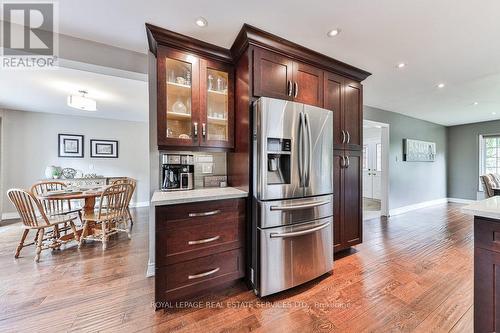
(195, 240)
(176, 216)
(486, 234)
(188, 278)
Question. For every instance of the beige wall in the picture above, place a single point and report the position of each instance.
(29, 144)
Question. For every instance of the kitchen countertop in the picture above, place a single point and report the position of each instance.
(161, 198)
(486, 208)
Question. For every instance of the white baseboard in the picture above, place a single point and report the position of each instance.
(10, 216)
(409, 208)
(461, 201)
(139, 204)
(151, 269)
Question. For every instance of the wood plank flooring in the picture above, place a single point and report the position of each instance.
(413, 273)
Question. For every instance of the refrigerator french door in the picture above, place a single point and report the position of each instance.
(292, 194)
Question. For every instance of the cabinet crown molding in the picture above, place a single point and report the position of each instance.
(157, 35)
(250, 35)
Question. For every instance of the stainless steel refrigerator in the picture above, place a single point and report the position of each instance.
(292, 218)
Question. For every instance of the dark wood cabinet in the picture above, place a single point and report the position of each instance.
(486, 275)
(353, 115)
(344, 98)
(194, 92)
(308, 84)
(347, 199)
(273, 75)
(198, 246)
(334, 100)
(280, 77)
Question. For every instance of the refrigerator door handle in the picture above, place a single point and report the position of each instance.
(309, 152)
(301, 148)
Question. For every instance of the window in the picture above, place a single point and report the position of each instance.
(365, 157)
(379, 156)
(489, 155)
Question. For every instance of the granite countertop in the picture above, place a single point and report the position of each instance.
(486, 208)
(161, 198)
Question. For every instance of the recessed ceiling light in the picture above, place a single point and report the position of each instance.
(334, 32)
(493, 113)
(82, 102)
(476, 103)
(440, 85)
(401, 65)
(201, 22)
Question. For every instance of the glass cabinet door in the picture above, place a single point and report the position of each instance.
(218, 114)
(177, 110)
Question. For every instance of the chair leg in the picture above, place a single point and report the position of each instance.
(73, 228)
(130, 216)
(39, 244)
(21, 243)
(83, 234)
(104, 236)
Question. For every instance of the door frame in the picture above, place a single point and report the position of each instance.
(384, 181)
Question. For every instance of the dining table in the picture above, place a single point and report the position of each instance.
(88, 195)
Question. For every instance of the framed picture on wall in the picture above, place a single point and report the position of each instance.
(103, 148)
(70, 145)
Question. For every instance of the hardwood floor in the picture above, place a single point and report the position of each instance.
(413, 273)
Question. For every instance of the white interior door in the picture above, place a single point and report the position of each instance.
(372, 169)
(367, 184)
(376, 177)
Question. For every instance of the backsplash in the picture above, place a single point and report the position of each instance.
(208, 164)
(205, 164)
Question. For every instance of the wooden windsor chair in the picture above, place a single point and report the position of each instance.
(132, 182)
(34, 218)
(111, 214)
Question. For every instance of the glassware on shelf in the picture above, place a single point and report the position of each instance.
(171, 76)
(220, 84)
(188, 78)
(210, 82)
(179, 107)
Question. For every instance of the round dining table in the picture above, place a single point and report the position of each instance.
(89, 196)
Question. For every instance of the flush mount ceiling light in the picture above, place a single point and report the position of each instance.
(401, 65)
(82, 102)
(440, 85)
(201, 22)
(334, 32)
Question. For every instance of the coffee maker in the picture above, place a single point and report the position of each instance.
(177, 172)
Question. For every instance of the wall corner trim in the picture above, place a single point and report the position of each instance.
(151, 269)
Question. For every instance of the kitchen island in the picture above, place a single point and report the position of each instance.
(486, 263)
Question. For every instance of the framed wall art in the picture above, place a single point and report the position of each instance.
(70, 145)
(103, 148)
(418, 151)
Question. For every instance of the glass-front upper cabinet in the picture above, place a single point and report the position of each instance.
(195, 101)
(216, 104)
(178, 77)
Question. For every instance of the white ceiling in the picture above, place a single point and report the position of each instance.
(47, 91)
(450, 41)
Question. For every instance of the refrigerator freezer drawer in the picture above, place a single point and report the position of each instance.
(278, 213)
(292, 255)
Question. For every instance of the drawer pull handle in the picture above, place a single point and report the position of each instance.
(213, 212)
(197, 276)
(203, 241)
(301, 206)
